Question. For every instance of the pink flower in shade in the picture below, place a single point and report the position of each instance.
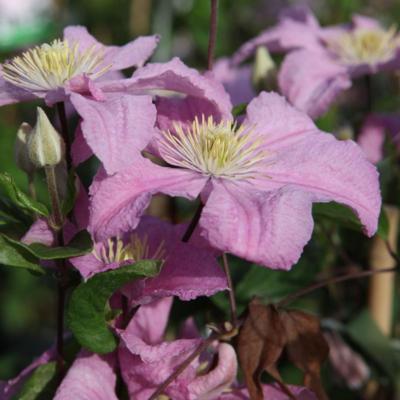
(188, 271)
(75, 64)
(257, 181)
(372, 136)
(322, 61)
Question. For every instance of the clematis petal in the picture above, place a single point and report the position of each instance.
(79, 34)
(280, 124)
(271, 392)
(188, 271)
(117, 129)
(11, 94)
(39, 232)
(91, 377)
(182, 92)
(80, 150)
(118, 201)
(269, 228)
(311, 81)
(297, 28)
(331, 170)
(212, 384)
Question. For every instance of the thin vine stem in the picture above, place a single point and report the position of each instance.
(231, 291)
(193, 223)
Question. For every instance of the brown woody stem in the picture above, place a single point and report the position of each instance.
(193, 223)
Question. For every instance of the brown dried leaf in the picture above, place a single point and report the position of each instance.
(260, 343)
(306, 347)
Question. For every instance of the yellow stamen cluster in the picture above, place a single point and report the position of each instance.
(49, 66)
(364, 45)
(215, 149)
(116, 251)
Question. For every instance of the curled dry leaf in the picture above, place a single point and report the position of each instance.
(266, 332)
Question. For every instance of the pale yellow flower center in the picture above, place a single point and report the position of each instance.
(368, 46)
(215, 149)
(49, 66)
(116, 251)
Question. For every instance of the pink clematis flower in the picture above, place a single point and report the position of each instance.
(323, 61)
(75, 64)
(188, 271)
(257, 181)
(372, 136)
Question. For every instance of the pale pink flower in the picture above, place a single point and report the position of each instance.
(257, 181)
(322, 61)
(78, 63)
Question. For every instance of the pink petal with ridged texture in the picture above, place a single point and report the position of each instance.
(271, 392)
(91, 377)
(236, 80)
(175, 84)
(39, 232)
(269, 228)
(188, 271)
(331, 170)
(271, 116)
(372, 135)
(297, 28)
(212, 384)
(118, 201)
(11, 94)
(80, 35)
(117, 129)
(80, 150)
(312, 81)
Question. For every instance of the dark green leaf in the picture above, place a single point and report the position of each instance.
(69, 201)
(19, 198)
(81, 244)
(40, 385)
(339, 213)
(86, 310)
(364, 332)
(15, 256)
(239, 110)
(383, 225)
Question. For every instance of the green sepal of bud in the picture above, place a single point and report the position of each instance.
(264, 70)
(45, 145)
(22, 158)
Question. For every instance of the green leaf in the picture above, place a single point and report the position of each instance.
(19, 198)
(81, 244)
(69, 201)
(239, 110)
(86, 311)
(383, 225)
(337, 212)
(16, 256)
(364, 332)
(40, 385)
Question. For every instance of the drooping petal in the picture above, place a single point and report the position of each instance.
(91, 377)
(117, 129)
(188, 271)
(269, 228)
(182, 92)
(331, 170)
(280, 124)
(312, 81)
(118, 201)
(297, 28)
(212, 384)
(236, 80)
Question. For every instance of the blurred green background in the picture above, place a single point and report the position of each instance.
(27, 304)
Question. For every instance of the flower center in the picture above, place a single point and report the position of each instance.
(117, 251)
(368, 46)
(49, 66)
(214, 149)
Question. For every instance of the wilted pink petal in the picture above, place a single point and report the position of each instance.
(117, 129)
(91, 377)
(271, 392)
(311, 81)
(119, 200)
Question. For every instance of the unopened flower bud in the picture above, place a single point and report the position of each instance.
(45, 145)
(264, 70)
(21, 149)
